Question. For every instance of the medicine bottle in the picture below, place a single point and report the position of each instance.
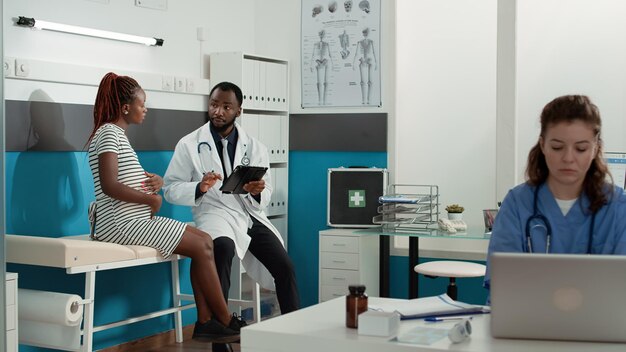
(356, 303)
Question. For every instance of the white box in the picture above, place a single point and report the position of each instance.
(376, 323)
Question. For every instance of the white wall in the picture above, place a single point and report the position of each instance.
(229, 24)
(446, 120)
(445, 102)
(577, 48)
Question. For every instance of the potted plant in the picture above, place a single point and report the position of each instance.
(455, 212)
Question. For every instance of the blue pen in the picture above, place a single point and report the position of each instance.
(434, 319)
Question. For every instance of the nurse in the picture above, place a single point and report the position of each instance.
(566, 205)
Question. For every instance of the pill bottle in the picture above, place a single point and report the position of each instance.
(356, 303)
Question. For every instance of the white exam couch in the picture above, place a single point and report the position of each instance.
(81, 255)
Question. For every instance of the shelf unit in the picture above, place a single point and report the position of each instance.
(264, 83)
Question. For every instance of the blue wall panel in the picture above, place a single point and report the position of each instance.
(308, 174)
(47, 195)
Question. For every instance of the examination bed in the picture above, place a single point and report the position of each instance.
(81, 255)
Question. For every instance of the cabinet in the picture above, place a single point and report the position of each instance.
(11, 311)
(265, 86)
(347, 258)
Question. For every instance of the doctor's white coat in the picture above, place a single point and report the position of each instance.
(216, 213)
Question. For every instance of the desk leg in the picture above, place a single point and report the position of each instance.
(383, 271)
(413, 261)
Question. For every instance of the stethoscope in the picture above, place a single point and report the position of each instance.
(542, 222)
(244, 160)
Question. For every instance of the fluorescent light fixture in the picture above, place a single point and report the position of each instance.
(59, 27)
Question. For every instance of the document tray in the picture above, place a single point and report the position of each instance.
(240, 176)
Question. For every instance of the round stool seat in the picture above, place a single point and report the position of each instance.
(451, 268)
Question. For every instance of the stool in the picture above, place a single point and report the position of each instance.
(451, 269)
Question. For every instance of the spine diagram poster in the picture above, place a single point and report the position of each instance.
(340, 52)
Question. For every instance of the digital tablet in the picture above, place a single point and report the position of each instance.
(240, 176)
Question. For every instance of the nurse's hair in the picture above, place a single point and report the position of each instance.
(570, 108)
(229, 87)
(114, 91)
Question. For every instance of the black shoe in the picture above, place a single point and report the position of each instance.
(214, 331)
(220, 347)
(236, 323)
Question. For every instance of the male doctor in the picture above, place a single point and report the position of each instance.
(237, 223)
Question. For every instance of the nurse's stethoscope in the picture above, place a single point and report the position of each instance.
(244, 160)
(542, 222)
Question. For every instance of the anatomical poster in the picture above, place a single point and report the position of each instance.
(340, 53)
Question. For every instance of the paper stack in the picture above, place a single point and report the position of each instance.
(436, 306)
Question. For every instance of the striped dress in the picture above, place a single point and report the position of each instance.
(122, 222)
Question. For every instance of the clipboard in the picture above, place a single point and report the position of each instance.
(240, 176)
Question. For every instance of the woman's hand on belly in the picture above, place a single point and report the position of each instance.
(155, 204)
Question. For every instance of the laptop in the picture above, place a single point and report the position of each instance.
(558, 296)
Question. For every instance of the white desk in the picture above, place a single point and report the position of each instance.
(322, 328)
(348, 256)
(433, 243)
(442, 246)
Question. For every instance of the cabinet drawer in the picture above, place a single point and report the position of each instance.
(12, 341)
(345, 261)
(331, 292)
(343, 244)
(11, 318)
(339, 277)
(10, 291)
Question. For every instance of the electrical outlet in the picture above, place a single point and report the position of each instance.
(179, 84)
(9, 67)
(191, 85)
(152, 4)
(22, 68)
(167, 83)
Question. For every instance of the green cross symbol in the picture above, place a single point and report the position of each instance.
(356, 198)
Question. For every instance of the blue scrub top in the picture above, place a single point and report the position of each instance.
(570, 233)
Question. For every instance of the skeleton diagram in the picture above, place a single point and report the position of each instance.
(367, 58)
(322, 62)
(344, 40)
